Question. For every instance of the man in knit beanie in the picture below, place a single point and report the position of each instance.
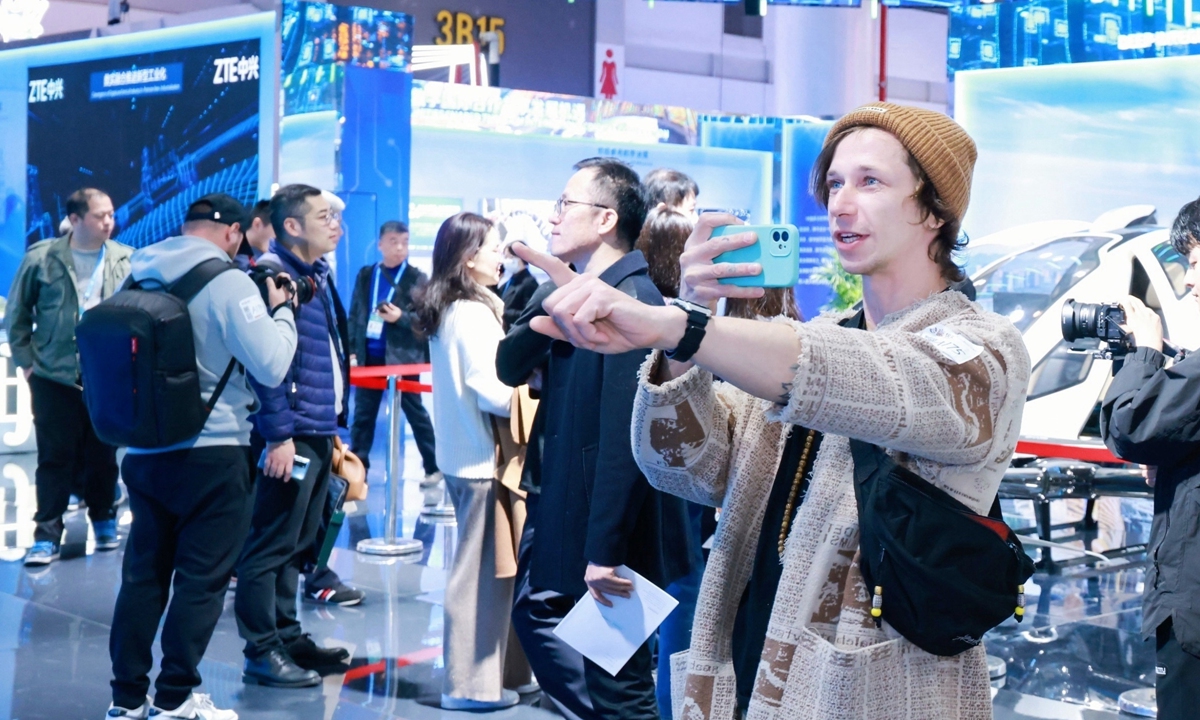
(920, 371)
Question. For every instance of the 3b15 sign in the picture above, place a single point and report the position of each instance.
(460, 28)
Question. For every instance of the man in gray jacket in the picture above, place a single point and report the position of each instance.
(59, 280)
(191, 502)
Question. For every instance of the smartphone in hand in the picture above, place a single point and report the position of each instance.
(777, 250)
(299, 465)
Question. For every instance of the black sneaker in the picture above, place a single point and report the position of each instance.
(341, 594)
(305, 653)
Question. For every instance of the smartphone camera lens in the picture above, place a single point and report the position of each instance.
(785, 235)
(776, 235)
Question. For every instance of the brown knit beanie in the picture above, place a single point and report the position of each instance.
(941, 147)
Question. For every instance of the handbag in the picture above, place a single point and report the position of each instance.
(349, 467)
(939, 573)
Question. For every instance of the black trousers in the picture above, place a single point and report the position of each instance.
(366, 412)
(1177, 685)
(283, 527)
(536, 612)
(68, 451)
(191, 510)
(628, 695)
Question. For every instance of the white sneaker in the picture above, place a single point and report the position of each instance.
(198, 706)
(431, 480)
(140, 713)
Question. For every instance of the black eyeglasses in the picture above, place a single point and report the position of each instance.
(562, 202)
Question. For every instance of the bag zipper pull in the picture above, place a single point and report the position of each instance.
(1020, 611)
(877, 606)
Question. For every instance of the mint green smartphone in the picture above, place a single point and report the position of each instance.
(776, 250)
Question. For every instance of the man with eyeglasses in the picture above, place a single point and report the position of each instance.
(57, 282)
(596, 512)
(298, 420)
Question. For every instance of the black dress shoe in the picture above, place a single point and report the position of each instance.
(305, 653)
(276, 669)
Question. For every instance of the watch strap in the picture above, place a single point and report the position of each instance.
(697, 323)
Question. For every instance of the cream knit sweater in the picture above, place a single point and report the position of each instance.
(466, 389)
(942, 385)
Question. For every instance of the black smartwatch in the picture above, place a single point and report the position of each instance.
(697, 321)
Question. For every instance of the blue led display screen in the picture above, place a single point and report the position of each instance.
(1050, 32)
(319, 40)
(153, 130)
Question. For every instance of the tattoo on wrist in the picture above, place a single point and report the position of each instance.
(786, 396)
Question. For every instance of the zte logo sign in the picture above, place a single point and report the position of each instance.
(235, 69)
(45, 90)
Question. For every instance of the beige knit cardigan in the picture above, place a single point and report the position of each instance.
(941, 385)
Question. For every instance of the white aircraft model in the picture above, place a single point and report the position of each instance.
(1041, 266)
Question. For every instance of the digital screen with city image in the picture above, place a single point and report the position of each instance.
(165, 128)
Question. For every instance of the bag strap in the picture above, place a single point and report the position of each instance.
(186, 288)
(194, 280)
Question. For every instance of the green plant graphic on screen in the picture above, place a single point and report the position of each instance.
(847, 288)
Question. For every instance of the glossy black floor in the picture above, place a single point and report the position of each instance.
(1077, 650)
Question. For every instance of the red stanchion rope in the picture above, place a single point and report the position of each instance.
(375, 377)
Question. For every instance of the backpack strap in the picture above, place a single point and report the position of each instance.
(186, 288)
(194, 280)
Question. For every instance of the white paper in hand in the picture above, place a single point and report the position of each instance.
(610, 636)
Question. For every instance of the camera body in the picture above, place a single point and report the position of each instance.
(1100, 321)
(303, 289)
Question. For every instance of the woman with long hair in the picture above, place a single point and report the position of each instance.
(663, 236)
(462, 320)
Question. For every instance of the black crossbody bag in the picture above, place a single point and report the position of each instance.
(940, 574)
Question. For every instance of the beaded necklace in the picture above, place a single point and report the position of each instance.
(801, 471)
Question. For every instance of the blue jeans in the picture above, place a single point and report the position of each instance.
(675, 634)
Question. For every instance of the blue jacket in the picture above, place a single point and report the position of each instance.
(304, 403)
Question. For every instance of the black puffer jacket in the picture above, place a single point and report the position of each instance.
(1151, 415)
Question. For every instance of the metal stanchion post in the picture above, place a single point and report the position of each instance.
(391, 543)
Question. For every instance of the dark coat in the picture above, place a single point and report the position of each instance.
(1151, 415)
(403, 346)
(595, 503)
(516, 294)
(303, 404)
(522, 351)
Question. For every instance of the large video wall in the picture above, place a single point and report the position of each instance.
(175, 124)
(1071, 142)
(1048, 32)
(155, 119)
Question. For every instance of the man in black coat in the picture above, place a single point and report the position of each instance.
(381, 334)
(596, 510)
(1151, 415)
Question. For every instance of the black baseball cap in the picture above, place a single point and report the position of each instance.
(220, 208)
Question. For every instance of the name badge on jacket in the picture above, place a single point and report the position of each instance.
(374, 327)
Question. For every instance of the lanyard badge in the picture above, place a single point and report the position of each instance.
(94, 285)
(375, 322)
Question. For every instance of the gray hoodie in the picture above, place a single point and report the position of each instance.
(229, 319)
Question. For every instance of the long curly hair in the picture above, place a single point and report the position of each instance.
(458, 240)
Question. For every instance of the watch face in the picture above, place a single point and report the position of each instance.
(690, 307)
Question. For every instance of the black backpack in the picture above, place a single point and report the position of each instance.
(137, 358)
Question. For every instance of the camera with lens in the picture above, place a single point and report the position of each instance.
(1100, 321)
(303, 289)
